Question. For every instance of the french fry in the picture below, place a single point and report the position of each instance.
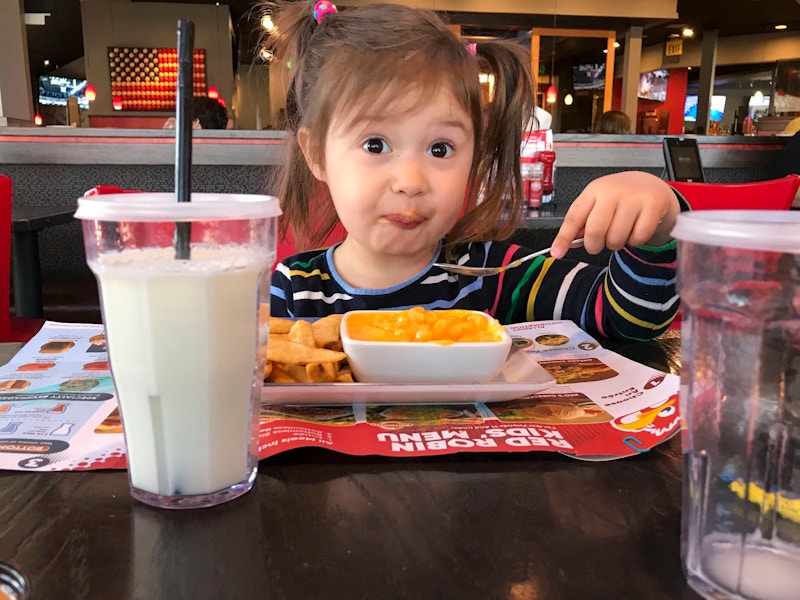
(286, 351)
(321, 372)
(302, 333)
(278, 375)
(298, 351)
(326, 332)
(296, 372)
(345, 376)
(278, 325)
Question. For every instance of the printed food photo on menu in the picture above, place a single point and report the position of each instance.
(578, 370)
(100, 365)
(567, 408)
(10, 385)
(78, 385)
(36, 366)
(56, 346)
(328, 415)
(98, 343)
(551, 339)
(426, 414)
(111, 424)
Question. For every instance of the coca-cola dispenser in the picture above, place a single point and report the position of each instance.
(537, 164)
(548, 159)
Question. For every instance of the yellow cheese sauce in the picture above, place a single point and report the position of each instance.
(420, 325)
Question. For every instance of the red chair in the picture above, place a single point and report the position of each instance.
(15, 329)
(774, 194)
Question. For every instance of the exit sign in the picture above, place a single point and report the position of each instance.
(674, 47)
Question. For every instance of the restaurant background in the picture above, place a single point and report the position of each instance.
(746, 53)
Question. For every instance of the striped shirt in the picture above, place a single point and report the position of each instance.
(633, 297)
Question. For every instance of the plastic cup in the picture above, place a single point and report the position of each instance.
(739, 281)
(182, 337)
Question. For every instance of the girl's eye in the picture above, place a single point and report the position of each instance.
(375, 146)
(441, 150)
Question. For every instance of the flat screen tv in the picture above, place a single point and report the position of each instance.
(653, 85)
(589, 76)
(716, 110)
(54, 90)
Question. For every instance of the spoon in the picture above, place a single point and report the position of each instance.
(487, 271)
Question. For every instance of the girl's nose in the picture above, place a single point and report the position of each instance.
(409, 176)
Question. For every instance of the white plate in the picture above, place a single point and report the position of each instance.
(521, 375)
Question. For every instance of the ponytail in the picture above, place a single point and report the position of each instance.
(497, 199)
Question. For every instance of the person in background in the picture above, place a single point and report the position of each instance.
(613, 121)
(207, 113)
(387, 133)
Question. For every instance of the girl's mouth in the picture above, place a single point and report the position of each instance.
(405, 220)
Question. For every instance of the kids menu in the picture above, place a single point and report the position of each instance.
(58, 408)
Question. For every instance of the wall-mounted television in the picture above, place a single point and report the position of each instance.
(716, 110)
(54, 90)
(589, 76)
(653, 85)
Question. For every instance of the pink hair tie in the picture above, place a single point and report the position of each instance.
(322, 8)
(472, 49)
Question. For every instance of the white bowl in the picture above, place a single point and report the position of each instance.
(424, 362)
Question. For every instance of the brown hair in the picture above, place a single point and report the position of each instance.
(613, 121)
(359, 60)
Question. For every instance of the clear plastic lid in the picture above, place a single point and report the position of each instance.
(162, 207)
(770, 230)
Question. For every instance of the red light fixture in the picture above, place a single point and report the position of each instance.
(90, 93)
(551, 95)
(213, 92)
(116, 103)
(37, 120)
(222, 102)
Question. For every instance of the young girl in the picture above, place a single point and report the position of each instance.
(388, 133)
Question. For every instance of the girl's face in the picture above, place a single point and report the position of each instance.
(398, 178)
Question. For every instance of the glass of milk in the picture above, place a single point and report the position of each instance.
(739, 281)
(182, 336)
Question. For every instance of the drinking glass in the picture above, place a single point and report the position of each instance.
(739, 281)
(179, 293)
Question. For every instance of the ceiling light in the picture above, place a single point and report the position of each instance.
(90, 93)
(758, 97)
(213, 93)
(568, 99)
(616, 44)
(267, 23)
(265, 54)
(46, 62)
(551, 95)
(687, 32)
(37, 120)
(781, 26)
(605, 50)
(674, 35)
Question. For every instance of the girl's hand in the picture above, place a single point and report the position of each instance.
(632, 207)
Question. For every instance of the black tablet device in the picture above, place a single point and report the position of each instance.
(683, 159)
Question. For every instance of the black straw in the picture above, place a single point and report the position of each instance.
(183, 136)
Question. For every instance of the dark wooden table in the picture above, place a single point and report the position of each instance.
(26, 223)
(324, 526)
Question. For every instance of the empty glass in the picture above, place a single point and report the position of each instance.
(739, 280)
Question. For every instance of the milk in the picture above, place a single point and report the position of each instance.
(182, 346)
(757, 573)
